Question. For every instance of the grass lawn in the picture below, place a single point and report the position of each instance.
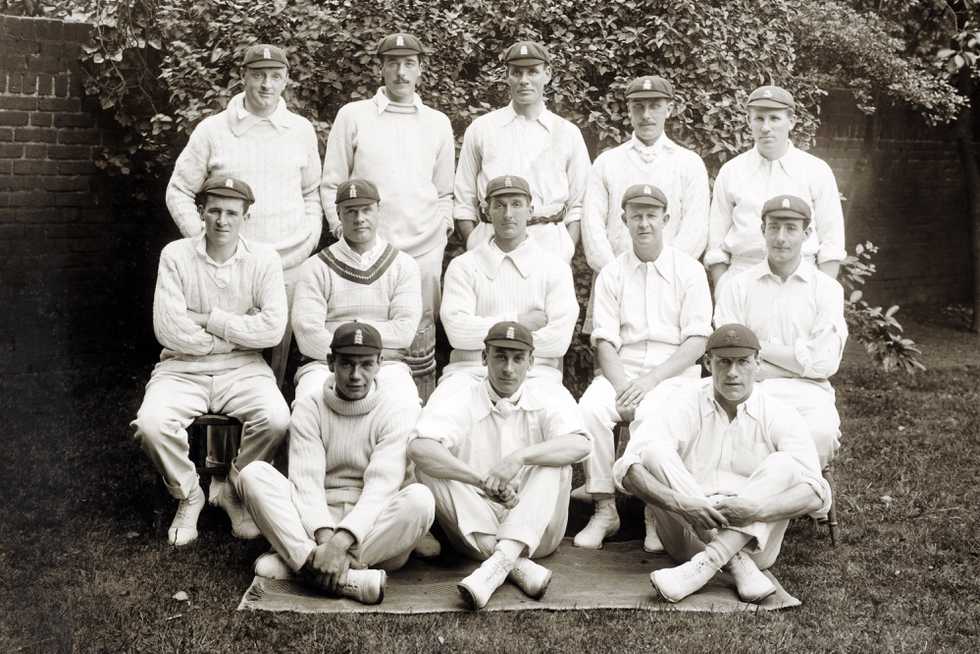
(84, 564)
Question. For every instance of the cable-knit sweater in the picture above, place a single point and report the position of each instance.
(343, 451)
(277, 156)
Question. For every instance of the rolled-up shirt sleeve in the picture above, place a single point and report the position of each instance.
(828, 217)
(696, 305)
(466, 203)
(719, 222)
(605, 308)
(595, 206)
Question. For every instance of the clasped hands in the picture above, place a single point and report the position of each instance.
(497, 484)
(629, 396)
(730, 510)
(331, 559)
(201, 319)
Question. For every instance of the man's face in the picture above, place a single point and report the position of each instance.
(645, 223)
(770, 129)
(733, 376)
(359, 222)
(784, 238)
(401, 76)
(506, 368)
(264, 87)
(353, 373)
(527, 83)
(648, 117)
(223, 219)
(509, 214)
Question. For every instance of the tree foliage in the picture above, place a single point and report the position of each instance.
(160, 66)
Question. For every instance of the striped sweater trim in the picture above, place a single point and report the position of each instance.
(355, 275)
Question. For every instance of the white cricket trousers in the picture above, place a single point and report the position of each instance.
(174, 399)
(394, 377)
(598, 408)
(268, 494)
(816, 403)
(777, 473)
(538, 520)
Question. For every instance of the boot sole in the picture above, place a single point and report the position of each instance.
(544, 588)
(653, 583)
(758, 598)
(468, 598)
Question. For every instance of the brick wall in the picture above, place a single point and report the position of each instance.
(56, 223)
(76, 281)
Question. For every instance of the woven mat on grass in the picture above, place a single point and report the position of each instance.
(615, 577)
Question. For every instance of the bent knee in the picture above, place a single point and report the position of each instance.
(653, 458)
(255, 472)
(420, 501)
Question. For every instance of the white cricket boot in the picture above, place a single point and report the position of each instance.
(226, 498)
(477, 588)
(532, 578)
(364, 586)
(603, 523)
(183, 529)
(752, 585)
(651, 541)
(674, 584)
(272, 566)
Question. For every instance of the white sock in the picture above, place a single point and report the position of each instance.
(511, 549)
(725, 545)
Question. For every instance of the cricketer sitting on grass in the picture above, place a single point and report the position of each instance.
(798, 314)
(724, 467)
(219, 301)
(497, 457)
(342, 518)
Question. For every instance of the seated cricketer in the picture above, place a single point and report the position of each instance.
(219, 301)
(652, 316)
(724, 466)
(341, 509)
(497, 457)
(508, 277)
(798, 314)
(360, 277)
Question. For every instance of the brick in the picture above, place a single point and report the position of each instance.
(45, 84)
(76, 167)
(50, 64)
(49, 30)
(73, 105)
(14, 103)
(61, 86)
(10, 151)
(4, 199)
(69, 152)
(70, 199)
(41, 119)
(74, 120)
(6, 166)
(22, 47)
(14, 62)
(44, 215)
(6, 134)
(35, 167)
(36, 135)
(11, 232)
(68, 183)
(77, 32)
(27, 198)
(80, 136)
(14, 118)
(15, 82)
(20, 28)
(15, 183)
(75, 88)
(35, 151)
(67, 231)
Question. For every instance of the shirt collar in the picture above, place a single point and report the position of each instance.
(661, 145)
(240, 252)
(490, 257)
(788, 161)
(367, 258)
(524, 399)
(710, 405)
(662, 264)
(382, 100)
(545, 118)
(803, 272)
(243, 120)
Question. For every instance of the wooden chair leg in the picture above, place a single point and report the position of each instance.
(828, 474)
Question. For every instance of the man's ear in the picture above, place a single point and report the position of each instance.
(330, 361)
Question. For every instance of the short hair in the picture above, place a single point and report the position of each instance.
(806, 221)
(202, 200)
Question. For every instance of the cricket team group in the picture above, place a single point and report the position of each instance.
(741, 278)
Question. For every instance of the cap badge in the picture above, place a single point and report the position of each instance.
(353, 192)
(523, 49)
(646, 85)
(646, 189)
(507, 182)
(510, 332)
(358, 337)
(400, 40)
(785, 203)
(266, 54)
(767, 93)
(731, 334)
(230, 183)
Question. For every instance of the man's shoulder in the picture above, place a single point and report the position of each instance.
(358, 107)
(609, 155)
(404, 260)
(685, 263)
(263, 252)
(741, 159)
